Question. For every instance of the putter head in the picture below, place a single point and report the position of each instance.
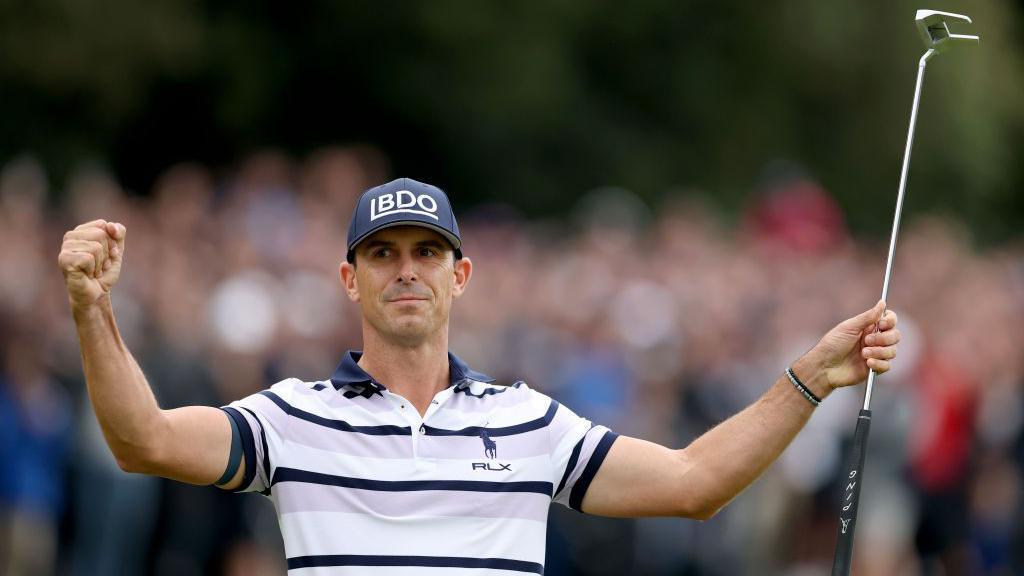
(934, 29)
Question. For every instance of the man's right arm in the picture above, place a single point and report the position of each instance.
(190, 444)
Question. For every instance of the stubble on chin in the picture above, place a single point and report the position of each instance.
(405, 329)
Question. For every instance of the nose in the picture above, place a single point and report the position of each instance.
(407, 269)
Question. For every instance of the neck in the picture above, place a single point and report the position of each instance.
(416, 372)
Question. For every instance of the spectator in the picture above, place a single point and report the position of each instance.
(667, 355)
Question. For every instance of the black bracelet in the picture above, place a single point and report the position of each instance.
(802, 388)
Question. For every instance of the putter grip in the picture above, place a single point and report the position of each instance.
(851, 497)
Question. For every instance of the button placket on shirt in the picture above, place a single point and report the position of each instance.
(435, 404)
(411, 415)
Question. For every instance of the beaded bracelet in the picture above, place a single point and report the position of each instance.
(802, 388)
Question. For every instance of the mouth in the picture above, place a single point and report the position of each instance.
(407, 299)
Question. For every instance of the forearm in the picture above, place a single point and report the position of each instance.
(190, 444)
(121, 397)
(640, 478)
(728, 458)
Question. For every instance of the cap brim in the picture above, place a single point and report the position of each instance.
(455, 242)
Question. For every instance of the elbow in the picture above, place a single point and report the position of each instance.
(128, 464)
(134, 461)
(136, 458)
(139, 453)
(700, 501)
(698, 510)
(706, 512)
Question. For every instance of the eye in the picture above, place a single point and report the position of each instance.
(381, 253)
(427, 252)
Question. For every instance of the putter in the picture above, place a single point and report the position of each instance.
(934, 28)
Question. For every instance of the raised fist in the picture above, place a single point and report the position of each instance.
(90, 259)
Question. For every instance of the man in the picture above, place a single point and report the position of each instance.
(408, 459)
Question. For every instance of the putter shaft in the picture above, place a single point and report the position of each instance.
(899, 201)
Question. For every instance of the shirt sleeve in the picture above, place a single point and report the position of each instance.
(262, 421)
(578, 448)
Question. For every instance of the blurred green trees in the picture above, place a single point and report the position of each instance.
(532, 103)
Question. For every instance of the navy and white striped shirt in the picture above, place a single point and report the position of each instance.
(361, 481)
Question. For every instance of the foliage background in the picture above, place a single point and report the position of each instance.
(531, 103)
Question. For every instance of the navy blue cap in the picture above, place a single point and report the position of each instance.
(403, 202)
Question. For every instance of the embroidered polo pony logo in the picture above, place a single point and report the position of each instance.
(490, 451)
(490, 446)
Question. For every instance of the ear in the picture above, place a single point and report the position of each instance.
(463, 270)
(347, 272)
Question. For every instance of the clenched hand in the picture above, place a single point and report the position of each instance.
(846, 353)
(90, 259)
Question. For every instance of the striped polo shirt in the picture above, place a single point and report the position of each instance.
(363, 484)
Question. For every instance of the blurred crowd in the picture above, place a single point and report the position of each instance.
(656, 322)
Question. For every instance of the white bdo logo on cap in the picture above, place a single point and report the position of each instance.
(402, 201)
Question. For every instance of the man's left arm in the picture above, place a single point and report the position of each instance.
(640, 478)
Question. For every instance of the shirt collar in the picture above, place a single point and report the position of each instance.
(350, 373)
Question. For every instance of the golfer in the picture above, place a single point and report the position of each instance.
(406, 461)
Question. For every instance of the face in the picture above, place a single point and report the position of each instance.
(404, 279)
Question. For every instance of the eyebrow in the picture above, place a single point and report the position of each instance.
(430, 243)
(378, 243)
